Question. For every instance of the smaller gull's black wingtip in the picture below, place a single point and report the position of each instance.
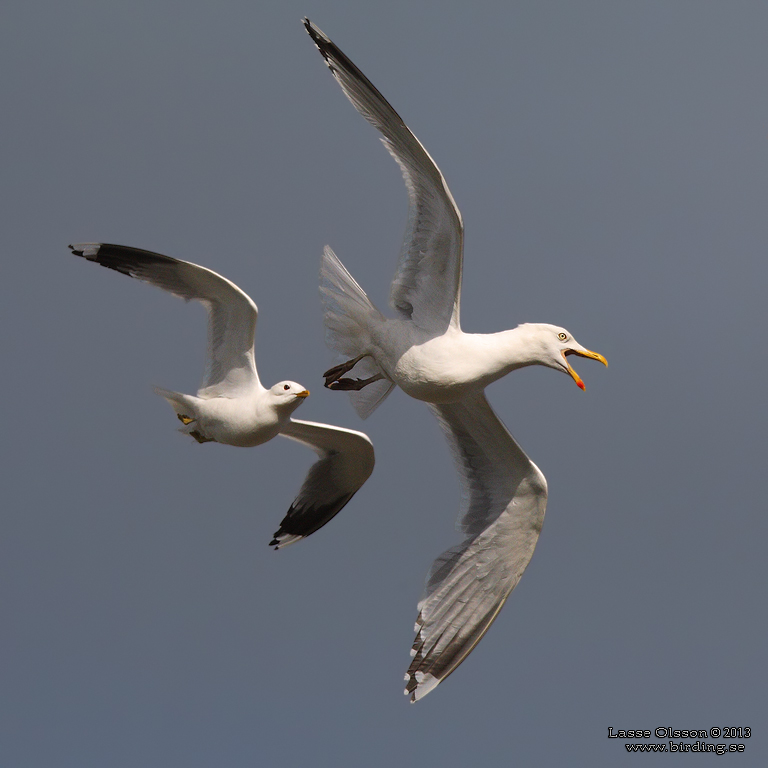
(88, 251)
(283, 539)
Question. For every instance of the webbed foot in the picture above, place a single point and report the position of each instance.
(335, 373)
(354, 385)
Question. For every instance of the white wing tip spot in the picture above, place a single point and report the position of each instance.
(87, 250)
(425, 683)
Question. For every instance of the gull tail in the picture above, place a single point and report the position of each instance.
(184, 405)
(348, 315)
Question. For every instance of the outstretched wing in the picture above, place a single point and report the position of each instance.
(427, 284)
(230, 365)
(505, 496)
(345, 463)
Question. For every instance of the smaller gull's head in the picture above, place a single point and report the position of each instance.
(288, 394)
(555, 344)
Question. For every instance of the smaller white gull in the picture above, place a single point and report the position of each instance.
(232, 407)
(424, 352)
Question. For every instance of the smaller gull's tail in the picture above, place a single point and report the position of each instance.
(184, 405)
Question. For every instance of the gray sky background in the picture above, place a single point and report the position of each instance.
(611, 163)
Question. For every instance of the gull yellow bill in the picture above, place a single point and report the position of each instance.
(582, 353)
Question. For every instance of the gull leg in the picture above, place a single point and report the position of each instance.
(352, 384)
(186, 421)
(335, 373)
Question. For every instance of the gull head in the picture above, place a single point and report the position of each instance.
(288, 394)
(554, 345)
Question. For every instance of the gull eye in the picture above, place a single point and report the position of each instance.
(562, 336)
(286, 386)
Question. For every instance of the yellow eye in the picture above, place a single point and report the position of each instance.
(562, 336)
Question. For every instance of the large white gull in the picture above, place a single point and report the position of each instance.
(424, 351)
(232, 406)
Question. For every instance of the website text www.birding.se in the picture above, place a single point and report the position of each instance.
(682, 740)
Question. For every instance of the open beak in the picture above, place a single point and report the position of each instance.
(305, 393)
(581, 353)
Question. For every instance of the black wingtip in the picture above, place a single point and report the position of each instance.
(88, 251)
(319, 38)
(280, 543)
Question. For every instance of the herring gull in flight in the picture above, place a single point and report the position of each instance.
(424, 351)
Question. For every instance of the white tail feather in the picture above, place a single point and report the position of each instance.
(348, 314)
(182, 404)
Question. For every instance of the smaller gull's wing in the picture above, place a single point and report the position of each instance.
(232, 315)
(427, 284)
(505, 496)
(345, 463)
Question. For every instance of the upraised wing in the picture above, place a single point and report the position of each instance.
(345, 463)
(230, 364)
(505, 496)
(427, 284)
